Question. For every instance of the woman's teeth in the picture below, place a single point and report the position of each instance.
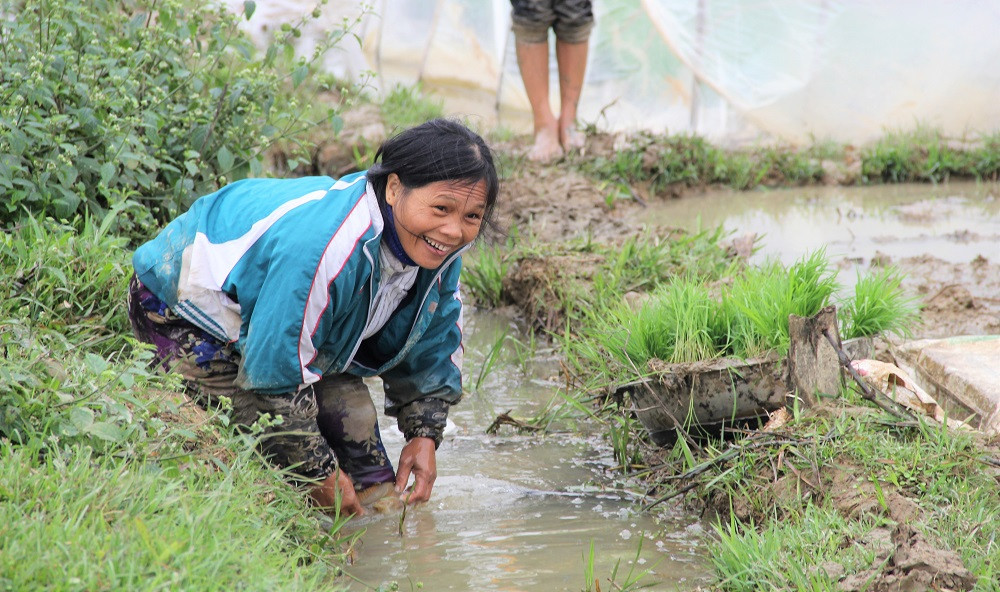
(437, 246)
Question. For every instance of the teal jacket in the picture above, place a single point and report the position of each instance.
(286, 271)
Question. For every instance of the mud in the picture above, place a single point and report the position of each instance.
(555, 202)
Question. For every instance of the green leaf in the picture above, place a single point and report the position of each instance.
(82, 418)
(299, 74)
(225, 158)
(106, 431)
(336, 122)
(95, 363)
(248, 8)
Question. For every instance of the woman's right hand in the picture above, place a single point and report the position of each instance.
(325, 494)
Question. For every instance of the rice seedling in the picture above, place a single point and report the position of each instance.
(633, 579)
(624, 432)
(879, 305)
(675, 325)
(767, 295)
(492, 357)
(483, 273)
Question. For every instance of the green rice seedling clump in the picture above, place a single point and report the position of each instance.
(765, 296)
(674, 325)
(879, 306)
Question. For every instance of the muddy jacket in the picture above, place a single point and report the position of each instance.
(286, 271)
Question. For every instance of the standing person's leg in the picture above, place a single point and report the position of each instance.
(348, 420)
(572, 58)
(575, 20)
(532, 19)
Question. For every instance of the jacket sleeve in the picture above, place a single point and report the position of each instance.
(419, 390)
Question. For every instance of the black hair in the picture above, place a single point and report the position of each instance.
(438, 150)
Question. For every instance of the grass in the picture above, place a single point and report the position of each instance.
(102, 486)
(808, 541)
(67, 280)
(665, 162)
(483, 272)
(407, 106)
(76, 519)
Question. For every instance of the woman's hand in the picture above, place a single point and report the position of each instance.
(417, 457)
(325, 494)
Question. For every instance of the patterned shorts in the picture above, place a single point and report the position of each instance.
(325, 425)
(571, 20)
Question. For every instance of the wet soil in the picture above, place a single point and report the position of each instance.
(554, 202)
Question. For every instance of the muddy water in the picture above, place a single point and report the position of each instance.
(955, 222)
(518, 512)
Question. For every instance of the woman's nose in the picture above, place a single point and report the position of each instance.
(453, 227)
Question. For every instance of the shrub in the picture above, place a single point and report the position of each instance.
(145, 100)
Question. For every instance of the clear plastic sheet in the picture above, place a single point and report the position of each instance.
(734, 71)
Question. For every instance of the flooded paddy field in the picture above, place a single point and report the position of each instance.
(515, 512)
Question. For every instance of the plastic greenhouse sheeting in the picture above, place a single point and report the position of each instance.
(731, 70)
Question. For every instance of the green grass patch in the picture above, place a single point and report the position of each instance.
(74, 518)
(823, 506)
(664, 162)
(104, 485)
(68, 280)
(407, 106)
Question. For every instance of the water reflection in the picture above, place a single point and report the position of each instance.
(955, 222)
(518, 513)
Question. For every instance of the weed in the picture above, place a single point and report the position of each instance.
(151, 102)
(407, 106)
(68, 280)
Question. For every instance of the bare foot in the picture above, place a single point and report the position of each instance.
(546, 147)
(572, 138)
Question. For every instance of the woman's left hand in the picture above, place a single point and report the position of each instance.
(417, 457)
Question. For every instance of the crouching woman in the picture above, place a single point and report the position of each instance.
(283, 294)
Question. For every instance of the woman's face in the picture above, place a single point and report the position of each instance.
(437, 219)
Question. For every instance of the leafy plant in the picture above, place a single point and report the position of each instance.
(152, 101)
(69, 280)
